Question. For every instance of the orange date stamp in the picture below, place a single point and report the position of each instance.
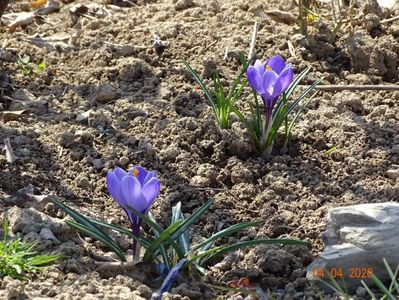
(346, 273)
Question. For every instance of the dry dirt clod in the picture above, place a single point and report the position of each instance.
(105, 93)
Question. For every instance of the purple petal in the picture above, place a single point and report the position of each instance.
(114, 187)
(269, 80)
(286, 77)
(278, 88)
(142, 173)
(148, 177)
(259, 67)
(151, 191)
(255, 79)
(170, 278)
(276, 63)
(120, 173)
(131, 191)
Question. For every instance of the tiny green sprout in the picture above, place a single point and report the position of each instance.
(309, 11)
(220, 99)
(40, 68)
(30, 68)
(18, 258)
(331, 150)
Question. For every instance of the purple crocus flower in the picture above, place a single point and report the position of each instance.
(137, 189)
(270, 80)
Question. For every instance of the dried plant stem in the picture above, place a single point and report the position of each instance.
(344, 87)
(253, 40)
(9, 153)
(390, 20)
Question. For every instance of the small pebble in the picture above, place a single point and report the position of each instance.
(98, 163)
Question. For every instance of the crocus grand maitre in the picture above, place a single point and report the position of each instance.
(270, 80)
(137, 189)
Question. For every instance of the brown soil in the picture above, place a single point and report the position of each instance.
(143, 108)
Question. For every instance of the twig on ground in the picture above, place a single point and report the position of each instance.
(345, 87)
(11, 158)
(253, 40)
(226, 52)
(3, 47)
(389, 20)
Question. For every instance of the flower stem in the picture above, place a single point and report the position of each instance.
(266, 153)
(267, 148)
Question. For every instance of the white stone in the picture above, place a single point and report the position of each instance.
(357, 238)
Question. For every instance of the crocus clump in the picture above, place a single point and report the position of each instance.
(270, 80)
(136, 189)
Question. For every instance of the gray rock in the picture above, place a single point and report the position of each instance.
(106, 92)
(395, 149)
(183, 4)
(98, 163)
(393, 172)
(23, 95)
(357, 238)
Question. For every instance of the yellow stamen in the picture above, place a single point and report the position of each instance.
(135, 172)
(268, 68)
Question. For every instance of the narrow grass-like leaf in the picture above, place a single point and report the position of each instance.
(5, 228)
(295, 118)
(226, 232)
(371, 294)
(238, 79)
(382, 288)
(217, 251)
(96, 235)
(303, 95)
(202, 85)
(247, 125)
(161, 249)
(393, 276)
(40, 260)
(159, 240)
(156, 227)
(296, 81)
(187, 223)
(143, 241)
(184, 238)
(89, 227)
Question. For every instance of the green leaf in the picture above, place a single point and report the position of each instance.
(303, 95)
(158, 229)
(5, 228)
(89, 227)
(229, 248)
(191, 219)
(382, 288)
(294, 119)
(40, 260)
(247, 125)
(159, 240)
(96, 235)
(164, 254)
(296, 81)
(226, 232)
(393, 276)
(238, 78)
(202, 85)
(143, 241)
(371, 294)
(184, 238)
